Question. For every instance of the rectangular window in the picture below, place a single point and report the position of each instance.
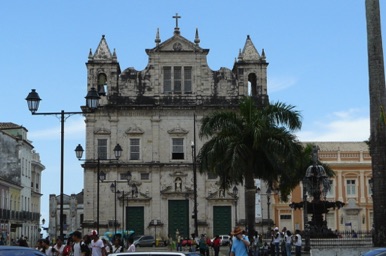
(369, 191)
(145, 176)
(178, 148)
(102, 149)
(350, 187)
(167, 79)
(285, 217)
(331, 192)
(177, 79)
(188, 79)
(134, 149)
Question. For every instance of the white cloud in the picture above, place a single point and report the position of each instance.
(72, 128)
(279, 84)
(339, 126)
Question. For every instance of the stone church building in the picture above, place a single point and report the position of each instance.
(154, 115)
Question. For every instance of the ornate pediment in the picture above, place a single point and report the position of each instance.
(102, 131)
(177, 43)
(178, 130)
(134, 131)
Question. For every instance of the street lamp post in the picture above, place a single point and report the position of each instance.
(235, 192)
(33, 100)
(101, 175)
(194, 186)
(113, 189)
(128, 178)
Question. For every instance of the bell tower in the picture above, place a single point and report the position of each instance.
(251, 71)
(103, 71)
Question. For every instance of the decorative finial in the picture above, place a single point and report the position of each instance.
(240, 55)
(114, 54)
(197, 38)
(176, 29)
(90, 54)
(263, 54)
(157, 39)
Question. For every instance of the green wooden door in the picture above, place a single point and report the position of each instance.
(222, 220)
(178, 218)
(135, 220)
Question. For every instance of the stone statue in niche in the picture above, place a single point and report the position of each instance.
(178, 184)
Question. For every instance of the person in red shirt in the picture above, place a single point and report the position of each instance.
(216, 245)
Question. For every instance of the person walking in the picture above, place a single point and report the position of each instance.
(79, 248)
(97, 245)
(46, 248)
(216, 245)
(202, 245)
(240, 243)
(276, 241)
(130, 244)
(59, 246)
(288, 242)
(298, 243)
(117, 247)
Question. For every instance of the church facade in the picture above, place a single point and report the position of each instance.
(154, 115)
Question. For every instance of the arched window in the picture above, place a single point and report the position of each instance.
(252, 85)
(102, 84)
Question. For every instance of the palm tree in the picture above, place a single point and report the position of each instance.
(377, 126)
(254, 142)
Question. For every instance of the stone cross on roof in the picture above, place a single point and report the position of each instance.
(176, 17)
(177, 29)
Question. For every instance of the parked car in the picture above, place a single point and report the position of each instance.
(144, 241)
(225, 239)
(376, 252)
(19, 250)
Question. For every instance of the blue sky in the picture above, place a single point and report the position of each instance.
(316, 49)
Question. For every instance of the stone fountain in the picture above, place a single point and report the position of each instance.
(316, 185)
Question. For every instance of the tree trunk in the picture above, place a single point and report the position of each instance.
(250, 204)
(377, 124)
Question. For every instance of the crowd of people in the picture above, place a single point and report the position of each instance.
(281, 243)
(87, 245)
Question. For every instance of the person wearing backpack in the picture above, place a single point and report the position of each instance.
(79, 247)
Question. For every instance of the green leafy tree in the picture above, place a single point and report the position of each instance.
(253, 142)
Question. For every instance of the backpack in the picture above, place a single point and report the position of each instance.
(85, 249)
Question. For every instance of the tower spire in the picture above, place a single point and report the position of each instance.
(157, 38)
(197, 38)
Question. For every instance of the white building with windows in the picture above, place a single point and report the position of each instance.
(20, 184)
(154, 115)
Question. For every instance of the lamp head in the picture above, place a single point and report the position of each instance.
(92, 99)
(33, 101)
(79, 151)
(118, 151)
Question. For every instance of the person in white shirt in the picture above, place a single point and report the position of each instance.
(131, 245)
(98, 248)
(298, 243)
(288, 242)
(59, 246)
(46, 248)
(117, 247)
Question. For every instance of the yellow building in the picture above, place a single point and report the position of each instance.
(351, 162)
